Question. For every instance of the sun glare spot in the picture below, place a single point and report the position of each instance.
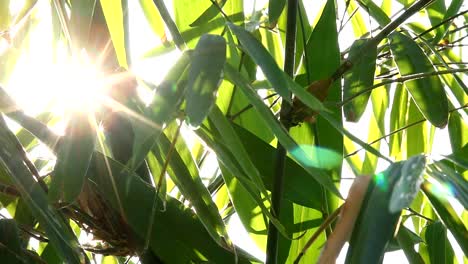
(441, 190)
(78, 87)
(381, 181)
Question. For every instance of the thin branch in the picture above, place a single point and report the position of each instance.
(319, 230)
(221, 11)
(348, 64)
(279, 172)
(159, 184)
(413, 212)
(236, 115)
(399, 130)
(400, 80)
(441, 23)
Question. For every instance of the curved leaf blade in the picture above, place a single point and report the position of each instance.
(73, 159)
(438, 246)
(428, 93)
(275, 8)
(59, 233)
(113, 13)
(210, 13)
(278, 129)
(375, 222)
(204, 77)
(185, 174)
(407, 186)
(447, 214)
(263, 59)
(359, 78)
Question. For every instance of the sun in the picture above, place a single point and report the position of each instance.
(79, 86)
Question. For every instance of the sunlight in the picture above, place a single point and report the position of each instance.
(79, 86)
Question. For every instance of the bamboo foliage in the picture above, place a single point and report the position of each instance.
(245, 122)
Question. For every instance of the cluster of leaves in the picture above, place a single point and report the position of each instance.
(154, 202)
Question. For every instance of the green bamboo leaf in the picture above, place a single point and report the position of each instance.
(416, 134)
(210, 13)
(275, 8)
(204, 77)
(168, 95)
(322, 46)
(5, 15)
(25, 11)
(345, 132)
(73, 158)
(246, 206)
(263, 59)
(80, 21)
(113, 12)
(172, 222)
(357, 21)
(375, 11)
(455, 183)
(380, 101)
(452, 10)
(226, 158)
(154, 19)
(234, 144)
(322, 59)
(437, 244)
(298, 186)
(407, 186)
(359, 78)
(50, 256)
(185, 174)
(398, 120)
(428, 93)
(10, 250)
(163, 108)
(404, 238)
(457, 128)
(436, 12)
(272, 122)
(59, 233)
(375, 222)
(447, 214)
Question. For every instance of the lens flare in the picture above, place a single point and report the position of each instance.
(381, 181)
(441, 190)
(317, 157)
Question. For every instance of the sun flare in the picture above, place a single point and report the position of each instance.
(79, 86)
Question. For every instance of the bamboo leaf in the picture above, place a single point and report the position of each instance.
(263, 59)
(80, 21)
(278, 129)
(10, 250)
(428, 93)
(375, 11)
(375, 222)
(185, 174)
(172, 222)
(113, 12)
(408, 183)
(154, 19)
(204, 77)
(359, 78)
(210, 13)
(59, 233)
(275, 8)
(404, 238)
(447, 214)
(298, 186)
(73, 159)
(437, 244)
